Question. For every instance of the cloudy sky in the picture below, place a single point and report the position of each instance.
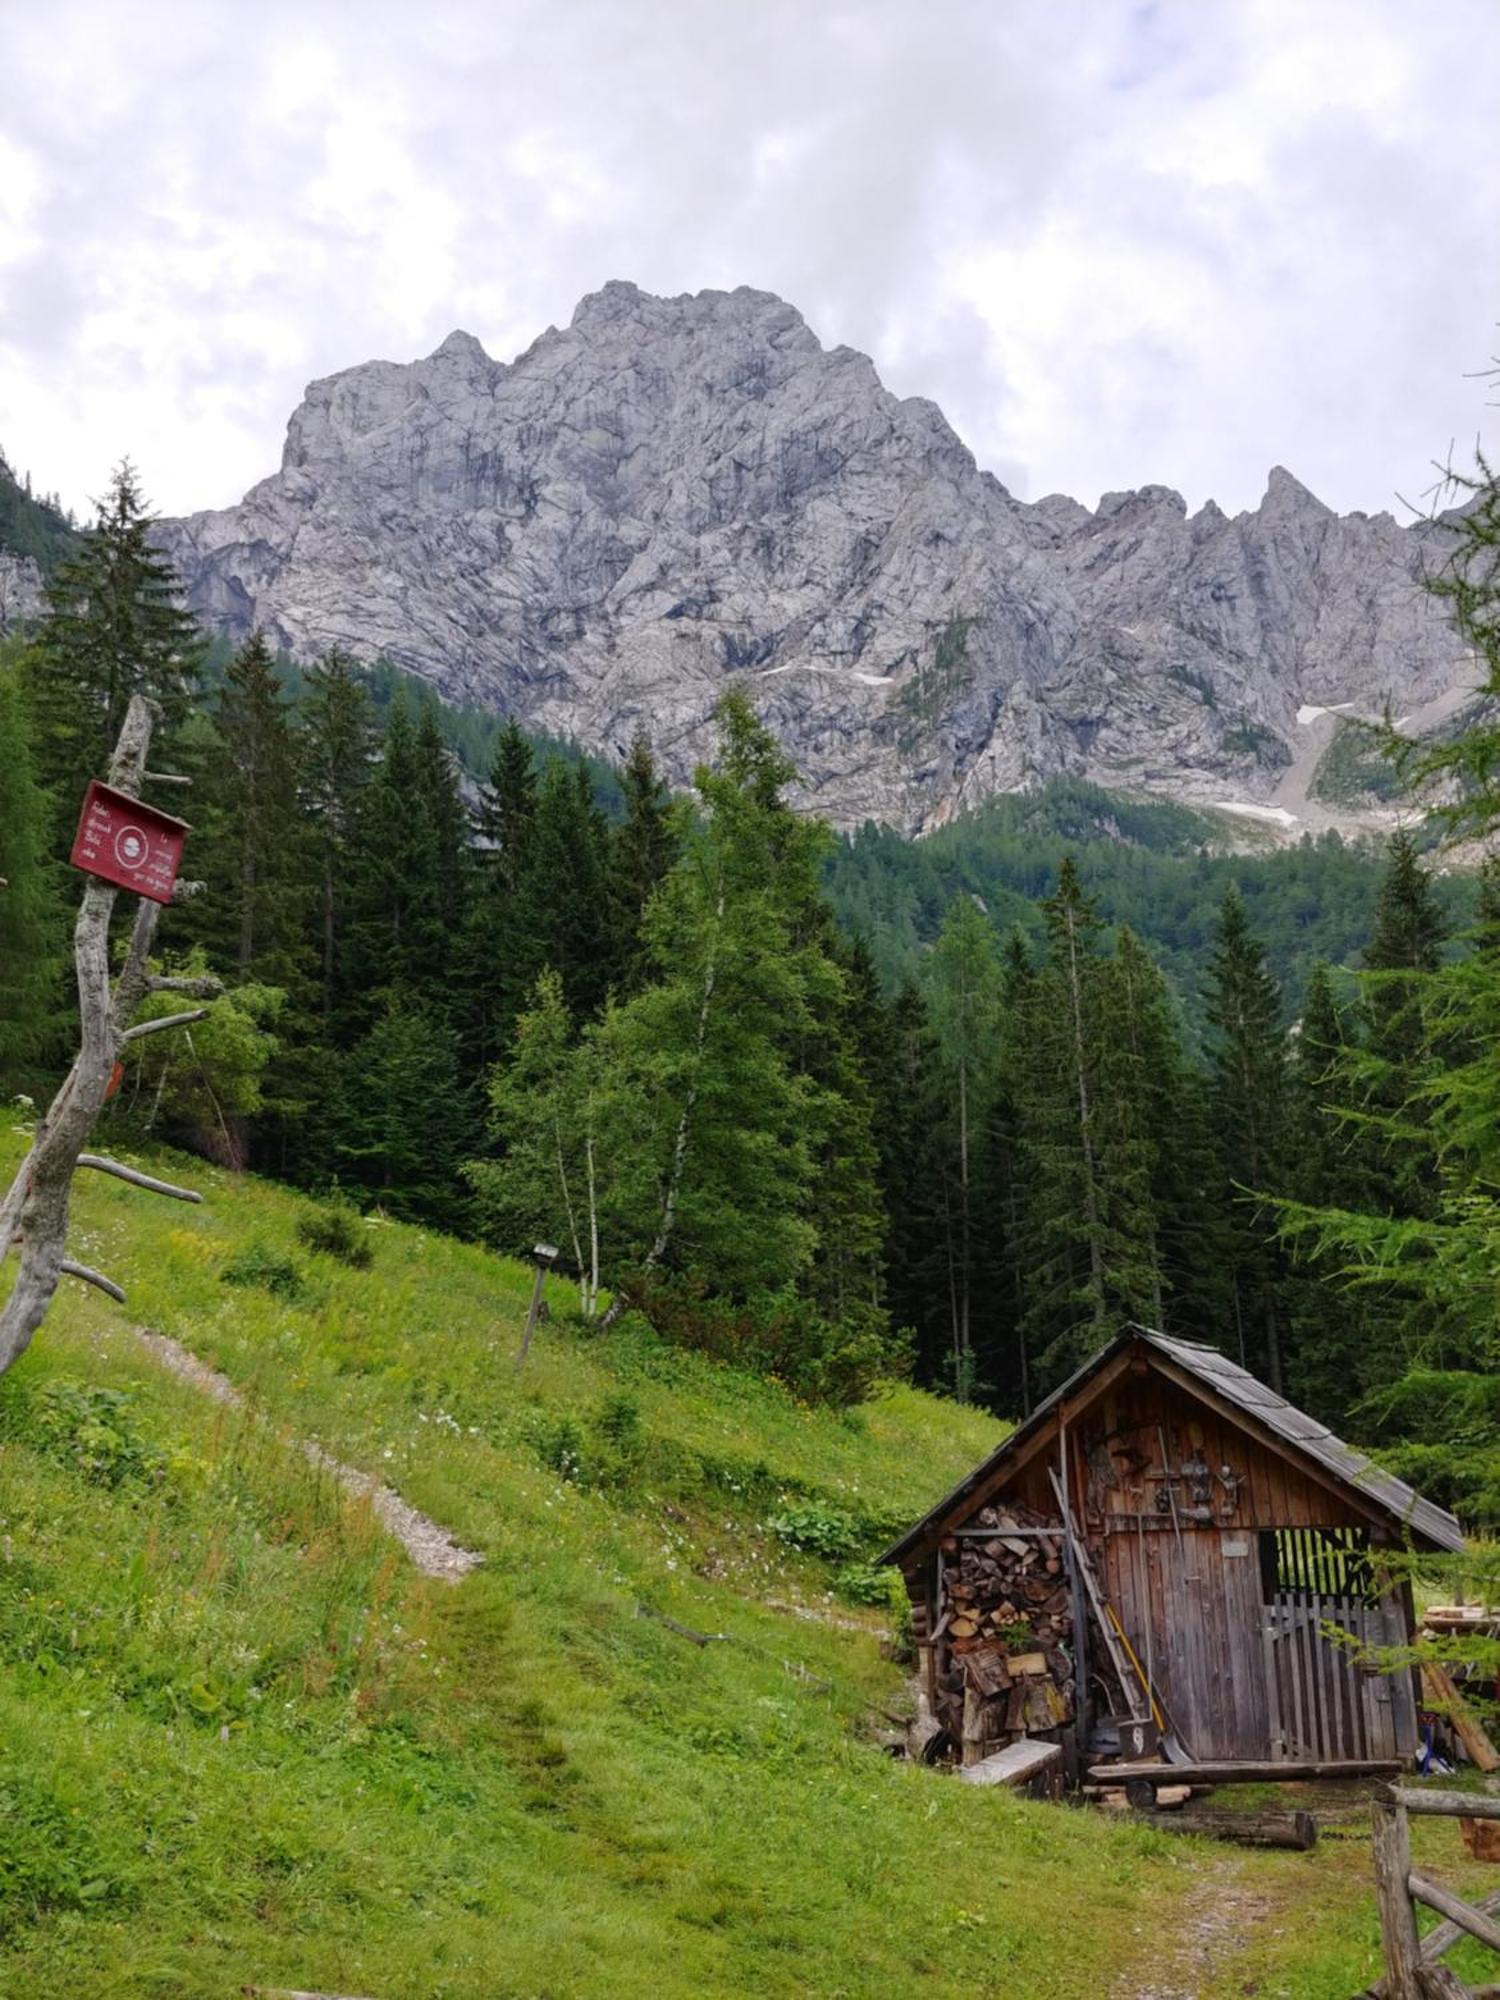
(1178, 241)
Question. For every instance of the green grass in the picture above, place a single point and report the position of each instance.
(242, 1742)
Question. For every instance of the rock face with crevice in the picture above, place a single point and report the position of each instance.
(670, 496)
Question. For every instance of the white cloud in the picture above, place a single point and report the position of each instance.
(1175, 242)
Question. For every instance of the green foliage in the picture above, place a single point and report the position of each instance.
(31, 524)
(817, 1530)
(200, 1082)
(93, 1430)
(50, 1859)
(336, 1229)
(272, 1270)
(32, 932)
(113, 628)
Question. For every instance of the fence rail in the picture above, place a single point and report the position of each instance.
(1414, 1968)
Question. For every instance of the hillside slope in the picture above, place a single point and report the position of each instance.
(242, 1742)
(673, 494)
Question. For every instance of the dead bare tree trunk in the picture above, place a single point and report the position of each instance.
(35, 1209)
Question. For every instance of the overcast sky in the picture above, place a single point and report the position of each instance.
(1117, 243)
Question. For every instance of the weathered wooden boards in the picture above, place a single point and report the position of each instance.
(1016, 1764)
(1246, 1773)
(1443, 1696)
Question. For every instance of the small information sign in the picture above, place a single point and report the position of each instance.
(130, 844)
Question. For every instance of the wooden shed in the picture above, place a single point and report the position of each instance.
(1154, 1558)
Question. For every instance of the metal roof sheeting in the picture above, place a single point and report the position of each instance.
(1416, 1516)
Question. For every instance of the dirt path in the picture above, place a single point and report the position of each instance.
(431, 1548)
(1195, 1960)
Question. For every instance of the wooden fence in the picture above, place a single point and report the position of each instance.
(1414, 1968)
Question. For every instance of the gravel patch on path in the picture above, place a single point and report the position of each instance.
(431, 1548)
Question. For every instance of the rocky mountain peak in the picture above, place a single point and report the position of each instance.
(672, 495)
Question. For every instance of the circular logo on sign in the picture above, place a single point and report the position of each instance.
(130, 847)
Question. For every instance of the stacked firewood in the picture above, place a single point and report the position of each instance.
(1005, 1632)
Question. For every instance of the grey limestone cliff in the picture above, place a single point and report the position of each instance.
(671, 495)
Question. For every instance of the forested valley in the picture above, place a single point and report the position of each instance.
(839, 1109)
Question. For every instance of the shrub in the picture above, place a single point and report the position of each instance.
(863, 1583)
(832, 1362)
(337, 1229)
(816, 1529)
(258, 1264)
(91, 1429)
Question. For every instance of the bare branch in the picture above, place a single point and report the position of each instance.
(184, 892)
(205, 987)
(164, 778)
(102, 1164)
(161, 1021)
(96, 1278)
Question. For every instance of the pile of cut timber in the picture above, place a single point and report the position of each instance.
(1005, 1628)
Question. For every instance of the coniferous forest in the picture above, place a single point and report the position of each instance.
(838, 1109)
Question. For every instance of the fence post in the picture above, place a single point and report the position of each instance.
(1398, 1923)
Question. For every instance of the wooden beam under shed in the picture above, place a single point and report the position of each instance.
(1244, 1774)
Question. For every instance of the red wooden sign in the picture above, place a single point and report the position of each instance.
(127, 843)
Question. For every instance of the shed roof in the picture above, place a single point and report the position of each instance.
(1423, 1521)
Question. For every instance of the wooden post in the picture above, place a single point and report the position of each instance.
(1398, 1924)
(531, 1317)
(35, 1210)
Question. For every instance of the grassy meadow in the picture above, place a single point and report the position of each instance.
(243, 1742)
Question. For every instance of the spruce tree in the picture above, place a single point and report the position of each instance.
(965, 987)
(338, 750)
(399, 1122)
(1248, 1083)
(409, 870)
(642, 849)
(507, 805)
(113, 627)
(253, 831)
(559, 914)
(33, 936)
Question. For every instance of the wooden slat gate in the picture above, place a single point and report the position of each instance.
(1322, 1704)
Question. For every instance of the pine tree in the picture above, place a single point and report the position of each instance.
(338, 748)
(1248, 1083)
(32, 931)
(113, 628)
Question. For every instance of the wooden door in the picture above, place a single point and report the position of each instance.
(1323, 1704)
(1191, 1607)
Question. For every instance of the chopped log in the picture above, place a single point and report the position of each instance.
(1288, 1773)
(964, 1627)
(1028, 1663)
(1258, 1829)
(1015, 1764)
(1446, 1699)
